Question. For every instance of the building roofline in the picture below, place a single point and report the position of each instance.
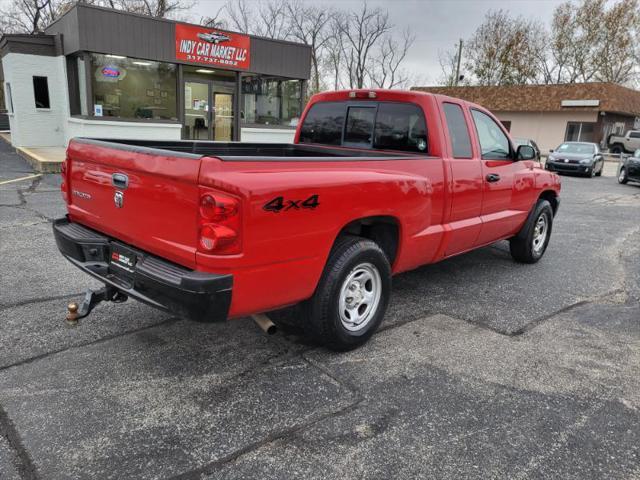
(167, 20)
(611, 97)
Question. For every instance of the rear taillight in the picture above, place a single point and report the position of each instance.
(64, 186)
(219, 223)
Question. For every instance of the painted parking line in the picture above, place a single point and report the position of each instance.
(21, 179)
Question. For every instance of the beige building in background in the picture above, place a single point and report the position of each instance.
(551, 114)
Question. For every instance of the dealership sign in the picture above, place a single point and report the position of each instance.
(205, 46)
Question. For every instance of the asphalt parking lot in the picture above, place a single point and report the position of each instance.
(483, 368)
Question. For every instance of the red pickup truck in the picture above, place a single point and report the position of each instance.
(376, 183)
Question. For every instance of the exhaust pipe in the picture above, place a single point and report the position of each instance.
(265, 323)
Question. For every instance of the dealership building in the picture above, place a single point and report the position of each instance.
(104, 73)
(551, 114)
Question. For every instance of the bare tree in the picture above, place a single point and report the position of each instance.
(32, 16)
(385, 68)
(361, 30)
(449, 61)
(27, 16)
(266, 18)
(272, 20)
(334, 57)
(310, 24)
(240, 16)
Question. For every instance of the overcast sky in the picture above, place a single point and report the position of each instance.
(437, 24)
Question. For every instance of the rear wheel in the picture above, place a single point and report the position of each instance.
(622, 176)
(352, 295)
(616, 149)
(529, 245)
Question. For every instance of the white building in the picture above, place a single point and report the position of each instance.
(104, 73)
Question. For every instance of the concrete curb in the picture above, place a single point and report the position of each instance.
(39, 163)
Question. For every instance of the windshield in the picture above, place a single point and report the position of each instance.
(585, 148)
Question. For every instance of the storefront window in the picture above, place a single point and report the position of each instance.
(270, 101)
(131, 88)
(579, 132)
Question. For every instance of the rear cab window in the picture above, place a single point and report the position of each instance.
(323, 124)
(378, 125)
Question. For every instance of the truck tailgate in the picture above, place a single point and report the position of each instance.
(146, 198)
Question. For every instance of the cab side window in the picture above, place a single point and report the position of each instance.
(494, 144)
(458, 131)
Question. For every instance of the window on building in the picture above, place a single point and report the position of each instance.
(400, 127)
(580, 132)
(7, 87)
(458, 131)
(132, 88)
(271, 101)
(494, 144)
(41, 92)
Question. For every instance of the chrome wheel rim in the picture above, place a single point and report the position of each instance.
(621, 176)
(359, 297)
(540, 233)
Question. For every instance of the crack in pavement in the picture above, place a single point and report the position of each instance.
(22, 460)
(562, 440)
(85, 344)
(37, 300)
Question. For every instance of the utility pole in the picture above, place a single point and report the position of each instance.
(458, 66)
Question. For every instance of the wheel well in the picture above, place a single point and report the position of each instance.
(552, 198)
(382, 230)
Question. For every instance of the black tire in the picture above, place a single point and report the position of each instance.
(599, 172)
(522, 246)
(323, 321)
(623, 178)
(616, 149)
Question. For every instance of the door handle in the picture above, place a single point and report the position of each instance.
(492, 177)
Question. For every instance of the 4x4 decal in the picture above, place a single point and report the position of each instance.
(279, 204)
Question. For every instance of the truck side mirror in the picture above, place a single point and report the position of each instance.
(525, 152)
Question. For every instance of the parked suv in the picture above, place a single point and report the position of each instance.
(628, 143)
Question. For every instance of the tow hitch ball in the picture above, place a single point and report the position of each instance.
(91, 299)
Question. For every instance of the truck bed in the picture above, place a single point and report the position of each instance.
(235, 151)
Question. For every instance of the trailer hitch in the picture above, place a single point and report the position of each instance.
(91, 299)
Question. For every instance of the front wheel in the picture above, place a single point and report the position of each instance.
(599, 174)
(352, 296)
(529, 245)
(622, 176)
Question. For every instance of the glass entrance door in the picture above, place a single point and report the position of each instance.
(197, 115)
(208, 114)
(223, 117)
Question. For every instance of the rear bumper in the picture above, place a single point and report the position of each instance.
(195, 295)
